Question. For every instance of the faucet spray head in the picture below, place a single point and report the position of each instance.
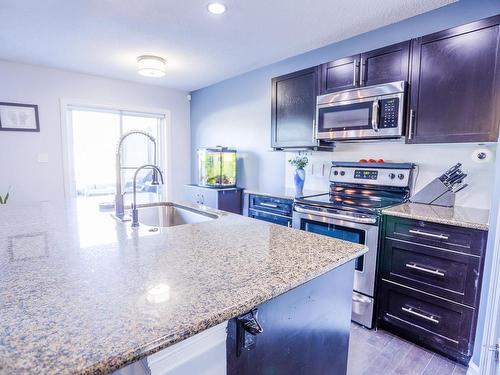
(154, 181)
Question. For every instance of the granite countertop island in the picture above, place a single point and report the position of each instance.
(82, 293)
(467, 217)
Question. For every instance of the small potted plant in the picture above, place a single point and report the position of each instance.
(299, 162)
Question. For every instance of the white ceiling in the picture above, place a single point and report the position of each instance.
(104, 37)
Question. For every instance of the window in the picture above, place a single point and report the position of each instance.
(95, 135)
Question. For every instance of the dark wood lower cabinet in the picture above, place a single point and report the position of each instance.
(429, 284)
(443, 326)
(305, 331)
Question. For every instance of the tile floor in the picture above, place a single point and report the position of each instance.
(381, 353)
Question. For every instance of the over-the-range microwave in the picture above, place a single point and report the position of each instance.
(371, 112)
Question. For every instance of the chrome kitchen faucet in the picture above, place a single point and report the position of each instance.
(135, 213)
(119, 205)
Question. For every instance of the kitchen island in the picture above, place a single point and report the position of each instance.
(83, 293)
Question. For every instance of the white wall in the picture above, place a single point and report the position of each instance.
(21, 83)
(432, 160)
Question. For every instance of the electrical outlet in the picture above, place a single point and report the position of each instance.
(318, 169)
(310, 169)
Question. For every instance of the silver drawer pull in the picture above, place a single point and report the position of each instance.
(439, 236)
(269, 205)
(429, 318)
(424, 269)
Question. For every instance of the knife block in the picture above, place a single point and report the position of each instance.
(435, 193)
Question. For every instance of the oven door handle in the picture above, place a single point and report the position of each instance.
(363, 220)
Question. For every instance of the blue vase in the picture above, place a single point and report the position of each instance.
(299, 178)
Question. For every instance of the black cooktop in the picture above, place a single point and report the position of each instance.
(355, 199)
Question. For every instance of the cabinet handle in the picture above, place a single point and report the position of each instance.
(355, 78)
(314, 131)
(272, 205)
(410, 125)
(432, 235)
(428, 317)
(435, 272)
(362, 72)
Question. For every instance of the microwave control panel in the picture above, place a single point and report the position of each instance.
(389, 109)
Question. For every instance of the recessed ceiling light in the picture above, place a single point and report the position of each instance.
(151, 66)
(216, 8)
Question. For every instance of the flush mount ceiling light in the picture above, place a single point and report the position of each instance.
(216, 8)
(151, 66)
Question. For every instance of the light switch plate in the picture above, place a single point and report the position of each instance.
(43, 158)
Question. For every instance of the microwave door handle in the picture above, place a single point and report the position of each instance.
(375, 115)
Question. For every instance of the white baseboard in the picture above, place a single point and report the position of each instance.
(473, 369)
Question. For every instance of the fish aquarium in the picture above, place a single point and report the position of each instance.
(217, 167)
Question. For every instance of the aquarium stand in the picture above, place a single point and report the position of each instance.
(226, 198)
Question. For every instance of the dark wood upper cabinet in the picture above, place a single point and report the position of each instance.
(340, 74)
(455, 85)
(383, 65)
(387, 64)
(453, 75)
(293, 109)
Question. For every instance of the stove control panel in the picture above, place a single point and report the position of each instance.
(371, 176)
(365, 174)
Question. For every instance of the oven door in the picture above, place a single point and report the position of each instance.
(349, 229)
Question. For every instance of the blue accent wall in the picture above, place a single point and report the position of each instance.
(237, 112)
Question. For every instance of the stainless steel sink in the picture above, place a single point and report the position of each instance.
(168, 214)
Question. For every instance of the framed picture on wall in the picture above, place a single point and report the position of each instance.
(19, 117)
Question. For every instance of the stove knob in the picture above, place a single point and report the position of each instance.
(392, 176)
(401, 176)
(336, 173)
(342, 173)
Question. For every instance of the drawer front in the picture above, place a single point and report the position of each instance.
(204, 196)
(271, 204)
(444, 326)
(445, 273)
(270, 218)
(471, 241)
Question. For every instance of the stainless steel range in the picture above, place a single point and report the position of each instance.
(351, 211)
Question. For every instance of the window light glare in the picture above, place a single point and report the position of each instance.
(216, 8)
(151, 66)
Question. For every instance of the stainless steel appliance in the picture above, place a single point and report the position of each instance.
(363, 113)
(351, 211)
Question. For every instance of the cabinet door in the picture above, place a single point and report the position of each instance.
(204, 196)
(305, 331)
(384, 65)
(454, 87)
(293, 109)
(443, 326)
(340, 74)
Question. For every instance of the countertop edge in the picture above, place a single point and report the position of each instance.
(117, 362)
(458, 223)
